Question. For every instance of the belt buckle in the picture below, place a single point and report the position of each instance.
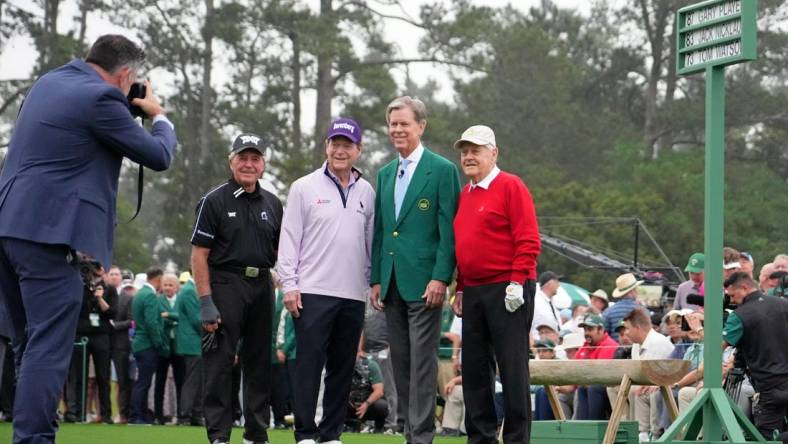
(252, 272)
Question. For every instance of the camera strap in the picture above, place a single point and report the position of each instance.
(139, 195)
(139, 190)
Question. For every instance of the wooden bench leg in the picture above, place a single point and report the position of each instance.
(552, 396)
(618, 410)
(670, 402)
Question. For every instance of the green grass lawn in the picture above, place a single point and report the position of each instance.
(123, 434)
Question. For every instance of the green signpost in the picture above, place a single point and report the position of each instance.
(710, 36)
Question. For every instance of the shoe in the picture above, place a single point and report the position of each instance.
(643, 437)
(280, 426)
(368, 429)
(246, 441)
(450, 432)
(122, 420)
(197, 422)
(108, 421)
(333, 441)
(70, 418)
(219, 441)
(307, 441)
(140, 422)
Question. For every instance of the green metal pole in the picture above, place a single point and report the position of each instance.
(84, 343)
(714, 203)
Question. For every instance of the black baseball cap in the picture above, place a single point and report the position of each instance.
(548, 276)
(247, 141)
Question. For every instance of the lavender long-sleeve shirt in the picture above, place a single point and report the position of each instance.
(326, 241)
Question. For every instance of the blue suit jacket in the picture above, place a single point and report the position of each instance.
(60, 178)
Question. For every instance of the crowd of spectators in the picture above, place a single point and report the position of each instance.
(143, 332)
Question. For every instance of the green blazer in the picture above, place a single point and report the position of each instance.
(188, 332)
(419, 245)
(149, 325)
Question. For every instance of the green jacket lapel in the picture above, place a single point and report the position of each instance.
(421, 178)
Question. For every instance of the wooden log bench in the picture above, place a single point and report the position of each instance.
(609, 372)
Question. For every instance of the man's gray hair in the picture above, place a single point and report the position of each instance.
(112, 52)
(416, 105)
(780, 257)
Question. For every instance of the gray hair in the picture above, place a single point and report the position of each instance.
(112, 52)
(415, 105)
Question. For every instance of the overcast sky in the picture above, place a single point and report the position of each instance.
(18, 55)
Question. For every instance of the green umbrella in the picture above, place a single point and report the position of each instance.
(578, 295)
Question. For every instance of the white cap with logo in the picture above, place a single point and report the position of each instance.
(477, 135)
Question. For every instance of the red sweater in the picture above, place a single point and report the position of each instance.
(496, 233)
(606, 349)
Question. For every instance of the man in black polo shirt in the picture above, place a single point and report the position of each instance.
(758, 330)
(234, 245)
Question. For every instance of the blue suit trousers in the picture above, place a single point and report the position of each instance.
(41, 290)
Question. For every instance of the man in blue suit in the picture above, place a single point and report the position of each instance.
(57, 196)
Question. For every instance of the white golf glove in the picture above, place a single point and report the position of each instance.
(514, 297)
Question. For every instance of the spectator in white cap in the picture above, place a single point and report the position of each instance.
(599, 300)
(497, 244)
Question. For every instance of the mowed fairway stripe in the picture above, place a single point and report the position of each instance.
(125, 434)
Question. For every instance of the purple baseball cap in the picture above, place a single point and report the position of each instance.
(345, 128)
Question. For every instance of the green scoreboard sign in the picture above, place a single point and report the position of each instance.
(715, 33)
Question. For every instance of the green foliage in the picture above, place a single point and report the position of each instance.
(131, 251)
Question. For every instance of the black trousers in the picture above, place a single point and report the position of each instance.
(280, 394)
(246, 309)
(97, 348)
(771, 410)
(327, 334)
(178, 372)
(377, 412)
(190, 405)
(492, 335)
(8, 379)
(146, 368)
(120, 359)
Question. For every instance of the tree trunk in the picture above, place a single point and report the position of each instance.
(84, 8)
(206, 96)
(49, 34)
(295, 91)
(325, 89)
(666, 141)
(655, 30)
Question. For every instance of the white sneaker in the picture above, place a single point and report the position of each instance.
(335, 441)
(643, 437)
(307, 441)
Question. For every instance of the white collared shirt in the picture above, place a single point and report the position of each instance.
(485, 183)
(655, 346)
(414, 159)
(545, 313)
(147, 284)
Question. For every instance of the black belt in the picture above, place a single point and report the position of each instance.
(247, 272)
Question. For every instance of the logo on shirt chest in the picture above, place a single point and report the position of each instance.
(231, 214)
(264, 215)
(322, 201)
